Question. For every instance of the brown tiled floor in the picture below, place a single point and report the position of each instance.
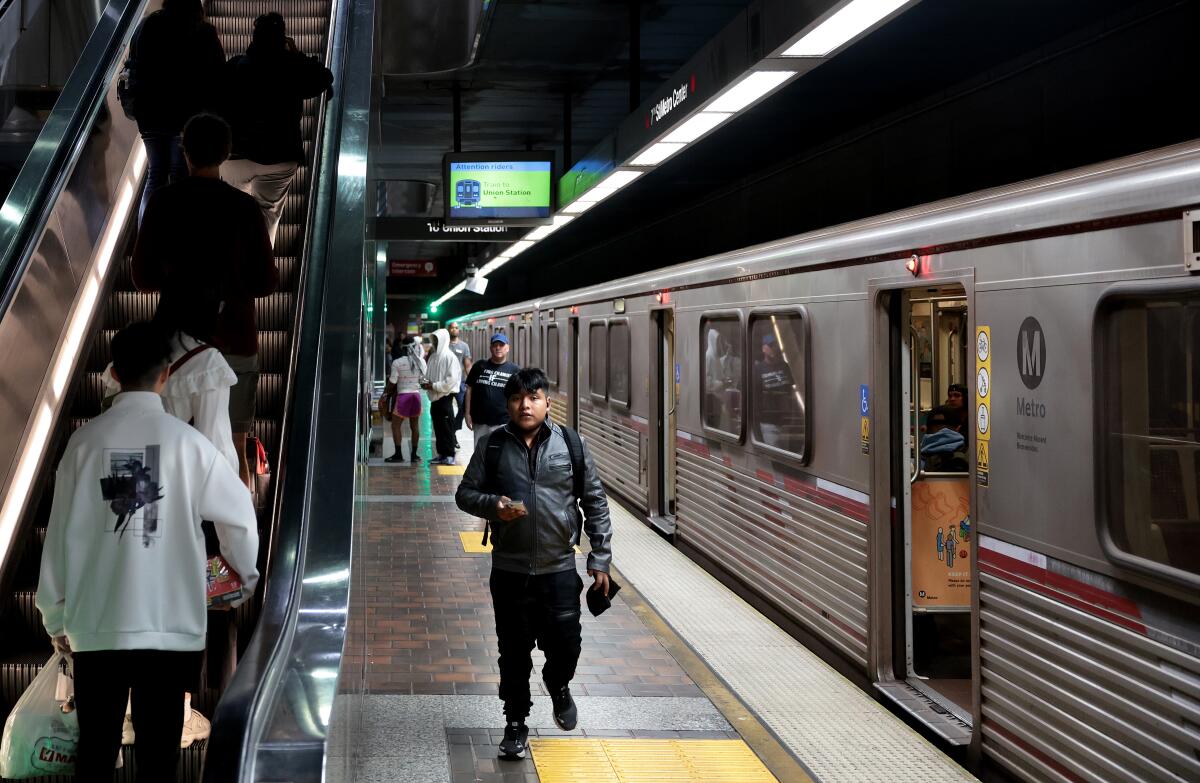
(424, 620)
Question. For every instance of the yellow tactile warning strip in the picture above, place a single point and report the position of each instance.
(471, 543)
(451, 470)
(584, 760)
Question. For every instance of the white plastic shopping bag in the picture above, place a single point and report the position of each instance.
(41, 732)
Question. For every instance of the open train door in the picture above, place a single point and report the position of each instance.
(664, 392)
(925, 606)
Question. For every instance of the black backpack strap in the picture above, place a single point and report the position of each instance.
(491, 468)
(575, 448)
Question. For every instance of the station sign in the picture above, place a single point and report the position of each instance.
(412, 268)
(424, 229)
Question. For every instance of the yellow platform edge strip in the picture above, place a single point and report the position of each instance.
(451, 470)
(471, 543)
(574, 760)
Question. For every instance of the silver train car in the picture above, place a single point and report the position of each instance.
(1019, 571)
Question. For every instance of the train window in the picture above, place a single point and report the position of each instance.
(552, 354)
(526, 359)
(1148, 371)
(721, 370)
(598, 359)
(778, 378)
(618, 362)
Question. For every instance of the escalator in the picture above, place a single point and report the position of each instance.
(105, 147)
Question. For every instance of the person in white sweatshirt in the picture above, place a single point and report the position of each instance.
(122, 584)
(443, 377)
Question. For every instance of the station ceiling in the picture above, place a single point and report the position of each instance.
(948, 98)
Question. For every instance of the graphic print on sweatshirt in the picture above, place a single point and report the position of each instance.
(132, 491)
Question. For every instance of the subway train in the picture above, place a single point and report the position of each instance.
(1018, 571)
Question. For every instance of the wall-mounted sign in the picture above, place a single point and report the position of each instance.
(422, 229)
(417, 268)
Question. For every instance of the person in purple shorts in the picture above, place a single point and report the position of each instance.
(404, 386)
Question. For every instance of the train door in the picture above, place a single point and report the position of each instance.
(573, 392)
(664, 392)
(928, 459)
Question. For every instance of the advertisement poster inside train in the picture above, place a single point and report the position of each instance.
(941, 542)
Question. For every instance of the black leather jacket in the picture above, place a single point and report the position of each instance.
(542, 541)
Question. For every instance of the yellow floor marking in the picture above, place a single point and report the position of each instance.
(471, 543)
(451, 470)
(583, 760)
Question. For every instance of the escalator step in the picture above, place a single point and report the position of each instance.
(288, 239)
(23, 606)
(269, 403)
(243, 25)
(17, 670)
(125, 307)
(101, 353)
(274, 312)
(88, 397)
(273, 351)
(310, 44)
(252, 8)
(287, 272)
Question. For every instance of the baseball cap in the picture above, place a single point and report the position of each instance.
(499, 337)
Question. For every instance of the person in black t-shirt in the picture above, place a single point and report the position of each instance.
(486, 406)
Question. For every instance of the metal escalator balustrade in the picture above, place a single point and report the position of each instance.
(107, 290)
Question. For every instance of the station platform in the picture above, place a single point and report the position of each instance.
(681, 680)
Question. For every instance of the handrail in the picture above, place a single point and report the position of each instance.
(276, 711)
(62, 139)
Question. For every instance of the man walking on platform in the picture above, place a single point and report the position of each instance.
(486, 405)
(528, 479)
(463, 352)
(443, 377)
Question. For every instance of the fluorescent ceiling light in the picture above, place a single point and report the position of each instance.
(544, 231)
(492, 266)
(517, 249)
(854, 18)
(610, 185)
(696, 126)
(579, 207)
(656, 154)
(449, 294)
(749, 90)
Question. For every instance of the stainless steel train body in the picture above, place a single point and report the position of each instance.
(1069, 555)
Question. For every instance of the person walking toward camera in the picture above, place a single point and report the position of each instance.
(529, 479)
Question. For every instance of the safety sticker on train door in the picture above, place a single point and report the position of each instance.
(983, 403)
(864, 415)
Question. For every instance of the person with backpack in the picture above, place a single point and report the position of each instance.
(529, 479)
(267, 87)
(173, 73)
(204, 246)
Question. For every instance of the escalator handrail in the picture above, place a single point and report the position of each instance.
(310, 552)
(60, 143)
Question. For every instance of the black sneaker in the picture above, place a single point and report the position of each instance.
(397, 457)
(516, 738)
(565, 712)
(415, 459)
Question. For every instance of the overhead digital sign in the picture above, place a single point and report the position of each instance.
(501, 188)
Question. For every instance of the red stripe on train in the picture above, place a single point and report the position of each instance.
(1088, 598)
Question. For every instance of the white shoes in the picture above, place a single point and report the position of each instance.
(195, 725)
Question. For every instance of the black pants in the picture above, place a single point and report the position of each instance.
(535, 609)
(442, 412)
(461, 399)
(159, 680)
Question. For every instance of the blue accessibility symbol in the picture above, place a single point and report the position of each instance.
(864, 400)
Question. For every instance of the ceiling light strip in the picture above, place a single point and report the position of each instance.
(855, 18)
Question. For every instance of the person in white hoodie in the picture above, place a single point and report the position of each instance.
(443, 378)
(122, 584)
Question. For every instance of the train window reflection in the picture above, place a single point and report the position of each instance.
(1152, 418)
(780, 345)
(618, 362)
(598, 359)
(721, 369)
(552, 354)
